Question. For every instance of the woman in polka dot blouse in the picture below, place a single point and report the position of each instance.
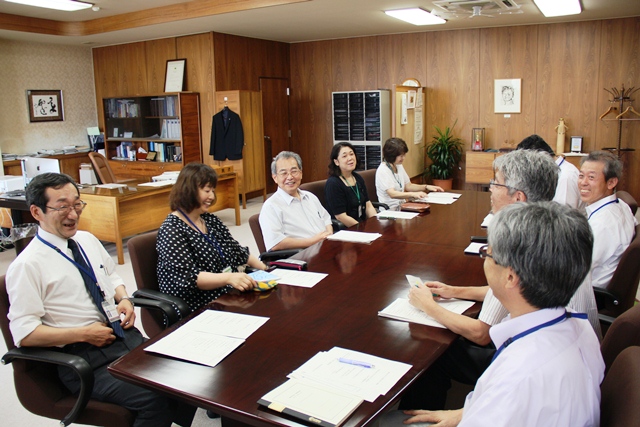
(198, 259)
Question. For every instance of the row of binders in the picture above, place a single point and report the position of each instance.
(121, 108)
(163, 106)
(166, 152)
(170, 129)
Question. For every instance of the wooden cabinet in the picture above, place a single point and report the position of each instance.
(168, 124)
(69, 164)
(479, 169)
(251, 168)
(364, 120)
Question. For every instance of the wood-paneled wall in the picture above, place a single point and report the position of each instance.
(563, 67)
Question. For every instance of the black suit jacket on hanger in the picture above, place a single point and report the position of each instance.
(226, 141)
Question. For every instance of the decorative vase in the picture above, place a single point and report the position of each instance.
(445, 184)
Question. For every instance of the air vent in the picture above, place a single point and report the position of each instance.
(486, 6)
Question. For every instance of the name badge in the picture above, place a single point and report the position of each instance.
(111, 311)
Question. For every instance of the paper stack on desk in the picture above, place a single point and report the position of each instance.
(331, 385)
(401, 309)
(440, 198)
(209, 337)
(354, 236)
(396, 215)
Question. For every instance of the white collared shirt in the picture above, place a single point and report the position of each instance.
(46, 289)
(386, 179)
(283, 216)
(567, 192)
(550, 377)
(613, 226)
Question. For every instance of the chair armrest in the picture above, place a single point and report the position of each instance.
(170, 312)
(378, 205)
(605, 320)
(177, 303)
(76, 363)
(604, 297)
(275, 255)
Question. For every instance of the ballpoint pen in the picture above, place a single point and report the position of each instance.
(355, 362)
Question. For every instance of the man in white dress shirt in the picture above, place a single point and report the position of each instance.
(292, 218)
(548, 367)
(567, 192)
(610, 218)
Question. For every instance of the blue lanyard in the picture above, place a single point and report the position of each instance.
(560, 164)
(558, 319)
(608, 203)
(89, 273)
(394, 176)
(213, 242)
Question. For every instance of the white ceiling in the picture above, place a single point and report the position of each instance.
(299, 22)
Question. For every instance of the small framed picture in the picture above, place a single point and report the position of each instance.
(174, 76)
(576, 144)
(151, 156)
(45, 105)
(507, 95)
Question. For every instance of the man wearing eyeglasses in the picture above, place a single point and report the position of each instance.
(520, 176)
(65, 292)
(292, 218)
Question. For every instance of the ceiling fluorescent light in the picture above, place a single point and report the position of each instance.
(66, 5)
(415, 16)
(550, 8)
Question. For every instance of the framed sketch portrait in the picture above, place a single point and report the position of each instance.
(45, 105)
(507, 95)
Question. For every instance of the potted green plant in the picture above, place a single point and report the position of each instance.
(444, 152)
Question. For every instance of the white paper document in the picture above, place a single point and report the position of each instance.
(440, 198)
(112, 185)
(401, 309)
(156, 183)
(305, 279)
(354, 236)
(396, 215)
(329, 368)
(209, 337)
(474, 248)
(487, 220)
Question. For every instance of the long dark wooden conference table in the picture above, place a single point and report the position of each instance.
(341, 310)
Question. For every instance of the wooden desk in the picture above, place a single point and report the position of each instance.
(114, 214)
(340, 311)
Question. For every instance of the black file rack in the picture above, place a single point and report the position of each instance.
(364, 120)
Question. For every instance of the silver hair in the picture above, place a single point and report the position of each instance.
(532, 172)
(612, 165)
(548, 245)
(285, 155)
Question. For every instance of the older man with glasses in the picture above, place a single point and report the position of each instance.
(520, 176)
(65, 292)
(292, 218)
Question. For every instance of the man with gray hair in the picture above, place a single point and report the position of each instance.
(292, 218)
(520, 176)
(548, 366)
(610, 218)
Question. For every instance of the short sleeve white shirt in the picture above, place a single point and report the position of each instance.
(386, 179)
(567, 192)
(283, 216)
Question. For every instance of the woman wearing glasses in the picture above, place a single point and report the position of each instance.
(345, 190)
(392, 182)
(198, 259)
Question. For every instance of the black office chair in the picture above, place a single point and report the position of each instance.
(369, 177)
(266, 256)
(41, 392)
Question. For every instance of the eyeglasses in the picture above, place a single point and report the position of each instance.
(493, 183)
(485, 254)
(66, 210)
(293, 172)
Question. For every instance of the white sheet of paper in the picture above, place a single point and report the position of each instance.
(354, 236)
(487, 220)
(233, 325)
(396, 215)
(401, 309)
(474, 248)
(157, 183)
(112, 185)
(440, 198)
(305, 279)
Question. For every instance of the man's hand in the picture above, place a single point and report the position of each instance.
(242, 282)
(127, 314)
(421, 297)
(440, 418)
(441, 289)
(98, 334)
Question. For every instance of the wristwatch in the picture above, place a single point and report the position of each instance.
(130, 300)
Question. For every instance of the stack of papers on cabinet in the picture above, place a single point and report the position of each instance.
(440, 198)
(331, 385)
(401, 309)
(354, 236)
(209, 337)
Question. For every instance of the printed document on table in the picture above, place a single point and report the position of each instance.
(354, 236)
(474, 248)
(401, 309)
(233, 325)
(365, 382)
(440, 198)
(305, 279)
(112, 185)
(487, 220)
(396, 215)
(157, 183)
(324, 406)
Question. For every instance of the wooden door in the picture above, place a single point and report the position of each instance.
(275, 112)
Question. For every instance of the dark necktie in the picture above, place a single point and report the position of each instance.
(92, 287)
